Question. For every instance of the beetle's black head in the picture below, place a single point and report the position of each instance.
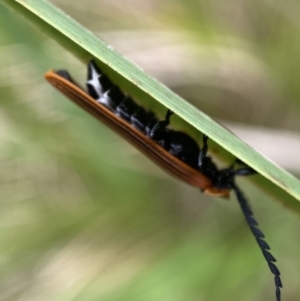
(225, 178)
(221, 178)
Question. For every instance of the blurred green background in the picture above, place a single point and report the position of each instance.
(85, 216)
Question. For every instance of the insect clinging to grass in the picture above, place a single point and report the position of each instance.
(174, 151)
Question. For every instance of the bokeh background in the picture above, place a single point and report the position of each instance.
(85, 216)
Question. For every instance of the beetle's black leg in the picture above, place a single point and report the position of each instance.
(247, 171)
(244, 171)
(203, 151)
(160, 126)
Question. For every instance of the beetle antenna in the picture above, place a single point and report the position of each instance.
(259, 238)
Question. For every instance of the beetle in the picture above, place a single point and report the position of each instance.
(174, 151)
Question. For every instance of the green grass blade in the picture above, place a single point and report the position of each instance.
(85, 45)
